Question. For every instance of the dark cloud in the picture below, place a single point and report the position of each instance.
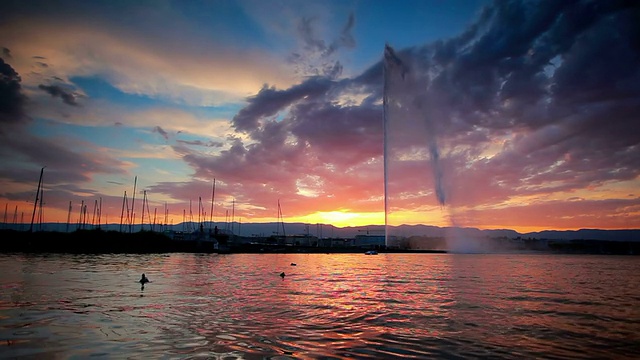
(19, 147)
(6, 53)
(161, 131)
(63, 175)
(557, 82)
(352, 133)
(315, 59)
(315, 44)
(63, 164)
(269, 101)
(12, 100)
(532, 99)
(68, 97)
(308, 36)
(346, 38)
(201, 143)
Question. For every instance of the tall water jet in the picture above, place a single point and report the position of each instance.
(414, 117)
(418, 118)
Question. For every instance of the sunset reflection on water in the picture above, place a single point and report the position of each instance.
(328, 305)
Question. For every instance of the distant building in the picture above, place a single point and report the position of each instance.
(301, 240)
(369, 241)
(335, 242)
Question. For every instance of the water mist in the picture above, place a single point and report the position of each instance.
(414, 119)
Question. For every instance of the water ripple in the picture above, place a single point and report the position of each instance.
(338, 306)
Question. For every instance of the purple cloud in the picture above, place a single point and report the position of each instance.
(556, 83)
(269, 101)
(508, 119)
(161, 131)
(532, 100)
(68, 97)
(216, 144)
(12, 100)
(315, 57)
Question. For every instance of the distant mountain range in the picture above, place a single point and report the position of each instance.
(325, 231)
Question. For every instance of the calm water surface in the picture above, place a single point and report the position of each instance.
(328, 306)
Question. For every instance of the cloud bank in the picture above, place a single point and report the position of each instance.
(532, 104)
(527, 117)
(533, 101)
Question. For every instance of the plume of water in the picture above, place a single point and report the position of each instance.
(414, 118)
(406, 105)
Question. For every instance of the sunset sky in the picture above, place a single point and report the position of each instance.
(514, 114)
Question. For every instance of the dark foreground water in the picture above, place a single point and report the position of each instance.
(328, 306)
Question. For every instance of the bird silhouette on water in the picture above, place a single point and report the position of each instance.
(282, 275)
(143, 281)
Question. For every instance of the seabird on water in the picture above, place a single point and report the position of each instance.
(143, 281)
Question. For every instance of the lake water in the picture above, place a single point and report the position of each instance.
(328, 306)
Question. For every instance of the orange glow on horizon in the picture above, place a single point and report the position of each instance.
(441, 217)
(341, 218)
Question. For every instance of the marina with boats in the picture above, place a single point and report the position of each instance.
(93, 236)
(90, 234)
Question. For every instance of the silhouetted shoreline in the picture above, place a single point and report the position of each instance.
(147, 242)
(94, 242)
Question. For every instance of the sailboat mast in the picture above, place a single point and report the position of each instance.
(213, 194)
(144, 202)
(95, 210)
(124, 198)
(155, 216)
(284, 233)
(144, 195)
(35, 204)
(199, 211)
(133, 200)
(281, 219)
(41, 209)
(69, 216)
(278, 219)
(84, 221)
(100, 213)
(190, 216)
